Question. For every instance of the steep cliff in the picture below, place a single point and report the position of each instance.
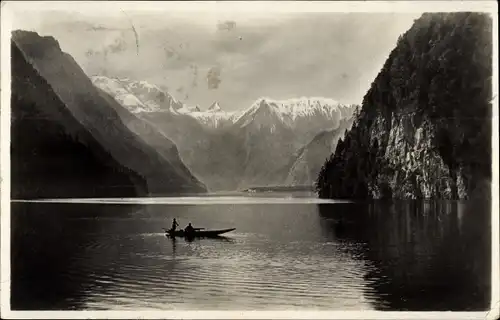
(158, 140)
(51, 87)
(424, 130)
(52, 154)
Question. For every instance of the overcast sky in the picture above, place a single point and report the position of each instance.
(233, 59)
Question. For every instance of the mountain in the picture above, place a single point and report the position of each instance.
(52, 153)
(306, 117)
(231, 150)
(137, 96)
(214, 117)
(141, 97)
(157, 139)
(312, 156)
(268, 146)
(164, 117)
(260, 147)
(214, 107)
(273, 132)
(424, 130)
(85, 133)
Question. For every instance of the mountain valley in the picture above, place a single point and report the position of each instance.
(92, 136)
(232, 150)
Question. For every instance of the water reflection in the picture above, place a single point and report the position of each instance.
(118, 257)
(212, 238)
(174, 246)
(41, 266)
(388, 256)
(426, 255)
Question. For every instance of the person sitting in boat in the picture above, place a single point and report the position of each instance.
(189, 228)
(174, 225)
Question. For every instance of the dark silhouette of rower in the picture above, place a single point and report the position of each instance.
(189, 229)
(174, 225)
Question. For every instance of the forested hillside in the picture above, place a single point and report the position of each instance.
(424, 129)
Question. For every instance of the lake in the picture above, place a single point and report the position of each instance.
(292, 254)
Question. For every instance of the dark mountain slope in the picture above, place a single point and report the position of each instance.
(52, 154)
(87, 105)
(150, 135)
(424, 130)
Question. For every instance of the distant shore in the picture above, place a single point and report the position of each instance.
(279, 188)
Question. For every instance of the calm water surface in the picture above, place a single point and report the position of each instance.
(382, 256)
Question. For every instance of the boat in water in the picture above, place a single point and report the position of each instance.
(198, 233)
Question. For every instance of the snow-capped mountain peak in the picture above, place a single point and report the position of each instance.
(138, 96)
(215, 107)
(214, 116)
(290, 110)
(303, 106)
(143, 97)
(305, 114)
(263, 110)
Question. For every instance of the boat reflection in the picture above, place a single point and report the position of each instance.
(215, 238)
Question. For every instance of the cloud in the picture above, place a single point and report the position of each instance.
(335, 55)
(213, 77)
(226, 25)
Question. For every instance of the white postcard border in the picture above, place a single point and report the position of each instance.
(7, 9)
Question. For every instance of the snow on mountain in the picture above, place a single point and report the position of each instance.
(262, 114)
(214, 117)
(143, 97)
(215, 107)
(213, 120)
(138, 96)
(273, 131)
(291, 110)
(260, 146)
(116, 89)
(306, 116)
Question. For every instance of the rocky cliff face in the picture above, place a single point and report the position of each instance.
(84, 132)
(414, 167)
(424, 130)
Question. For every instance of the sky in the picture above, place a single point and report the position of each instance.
(202, 57)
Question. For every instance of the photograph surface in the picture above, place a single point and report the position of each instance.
(230, 157)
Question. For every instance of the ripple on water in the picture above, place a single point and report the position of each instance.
(146, 270)
(119, 258)
(247, 282)
(209, 273)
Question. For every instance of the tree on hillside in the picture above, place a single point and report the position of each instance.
(440, 71)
